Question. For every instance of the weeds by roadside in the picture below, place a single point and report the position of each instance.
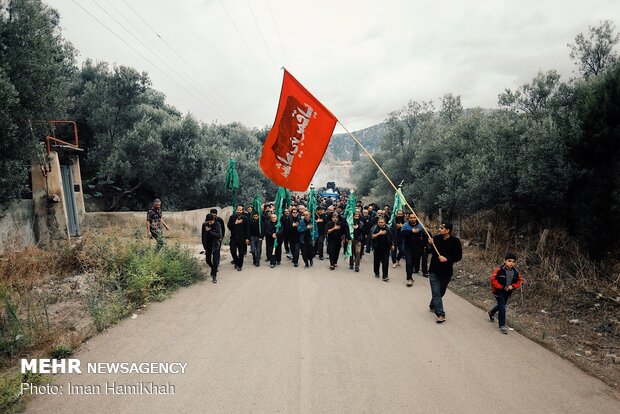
(108, 274)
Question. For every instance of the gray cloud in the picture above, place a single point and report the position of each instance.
(363, 59)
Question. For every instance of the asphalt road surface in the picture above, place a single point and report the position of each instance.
(290, 340)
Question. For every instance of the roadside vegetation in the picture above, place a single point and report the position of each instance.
(48, 299)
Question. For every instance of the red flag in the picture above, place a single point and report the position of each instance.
(297, 142)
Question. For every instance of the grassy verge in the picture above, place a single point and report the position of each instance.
(46, 295)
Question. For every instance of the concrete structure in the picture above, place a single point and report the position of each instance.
(58, 198)
(17, 226)
(182, 223)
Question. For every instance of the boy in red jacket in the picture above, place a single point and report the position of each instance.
(504, 280)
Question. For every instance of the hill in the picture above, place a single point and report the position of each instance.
(341, 145)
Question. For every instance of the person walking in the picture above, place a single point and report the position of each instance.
(154, 223)
(504, 280)
(305, 239)
(272, 236)
(293, 236)
(256, 238)
(397, 253)
(212, 243)
(239, 227)
(441, 269)
(356, 242)
(414, 240)
(383, 244)
(334, 230)
(321, 221)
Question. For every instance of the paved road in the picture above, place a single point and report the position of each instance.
(318, 341)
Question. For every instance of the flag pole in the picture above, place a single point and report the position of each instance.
(389, 180)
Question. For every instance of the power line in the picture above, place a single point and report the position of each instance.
(244, 42)
(234, 109)
(275, 23)
(211, 103)
(138, 52)
(261, 34)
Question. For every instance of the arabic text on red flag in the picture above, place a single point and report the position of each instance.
(297, 142)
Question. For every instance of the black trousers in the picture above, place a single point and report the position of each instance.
(238, 249)
(213, 261)
(307, 252)
(333, 250)
(412, 259)
(294, 246)
(318, 246)
(285, 242)
(425, 253)
(382, 259)
(274, 258)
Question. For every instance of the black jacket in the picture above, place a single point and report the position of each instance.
(257, 228)
(270, 228)
(291, 230)
(359, 232)
(220, 220)
(336, 235)
(211, 236)
(413, 241)
(385, 241)
(239, 231)
(451, 250)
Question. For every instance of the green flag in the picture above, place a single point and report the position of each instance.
(280, 199)
(398, 205)
(257, 207)
(348, 213)
(312, 209)
(232, 181)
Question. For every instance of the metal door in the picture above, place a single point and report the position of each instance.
(70, 205)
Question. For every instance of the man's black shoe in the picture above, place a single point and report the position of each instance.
(238, 269)
(295, 265)
(357, 269)
(214, 280)
(311, 263)
(306, 266)
(321, 258)
(272, 266)
(377, 276)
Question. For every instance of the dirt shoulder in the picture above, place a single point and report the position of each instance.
(582, 327)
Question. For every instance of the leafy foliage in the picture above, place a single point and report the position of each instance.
(36, 66)
(549, 158)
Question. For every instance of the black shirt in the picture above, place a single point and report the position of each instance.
(336, 235)
(449, 248)
(241, 230)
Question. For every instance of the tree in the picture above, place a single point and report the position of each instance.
(594, 54)
(36, 65)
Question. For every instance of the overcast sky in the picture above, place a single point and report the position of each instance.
(362, 59)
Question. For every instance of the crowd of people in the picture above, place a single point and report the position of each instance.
(291, 236)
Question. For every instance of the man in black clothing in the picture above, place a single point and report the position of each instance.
(414, 240)
(382, 244)
(397, 253)
(212, 243)
(356, 246)
(219, 220)
(256, 238)
(271, 236)
(293, 236)
(239, 227)
(305, 239)
(335, 231)
(285, 221)
(440, 272)
(321, 220)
